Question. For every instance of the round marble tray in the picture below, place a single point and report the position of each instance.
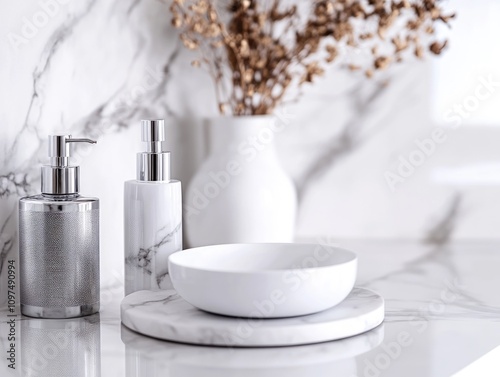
(165, 315)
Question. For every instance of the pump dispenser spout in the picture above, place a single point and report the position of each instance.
(59, 178)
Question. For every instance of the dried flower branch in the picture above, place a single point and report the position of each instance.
(266, 47)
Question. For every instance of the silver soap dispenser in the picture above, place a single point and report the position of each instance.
(59, 241)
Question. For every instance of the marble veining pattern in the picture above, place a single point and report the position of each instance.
(97, 67)
(143, 259)
(441, 314)
(153, 231)
(165, 315)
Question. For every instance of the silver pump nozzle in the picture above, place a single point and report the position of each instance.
(154, 164)
(59, 178)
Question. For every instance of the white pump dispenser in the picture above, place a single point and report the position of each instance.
(153, 215)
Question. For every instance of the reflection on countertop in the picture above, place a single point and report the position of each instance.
(67, 347)
(150, 357)
(442, 313)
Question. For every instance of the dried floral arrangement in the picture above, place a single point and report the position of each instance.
(257, 50)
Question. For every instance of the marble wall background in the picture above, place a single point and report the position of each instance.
(94, 68)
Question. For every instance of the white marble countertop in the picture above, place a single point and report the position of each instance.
(442, 315)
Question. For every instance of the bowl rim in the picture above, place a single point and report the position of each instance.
(173, 260)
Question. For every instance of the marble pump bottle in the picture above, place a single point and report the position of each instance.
(153, 214)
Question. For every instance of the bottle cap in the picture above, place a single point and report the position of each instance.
(154, 164)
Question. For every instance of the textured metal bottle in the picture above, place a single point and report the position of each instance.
(59, 256)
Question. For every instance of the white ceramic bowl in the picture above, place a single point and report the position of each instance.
(263, 280)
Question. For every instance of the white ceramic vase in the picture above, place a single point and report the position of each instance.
(241, 194)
